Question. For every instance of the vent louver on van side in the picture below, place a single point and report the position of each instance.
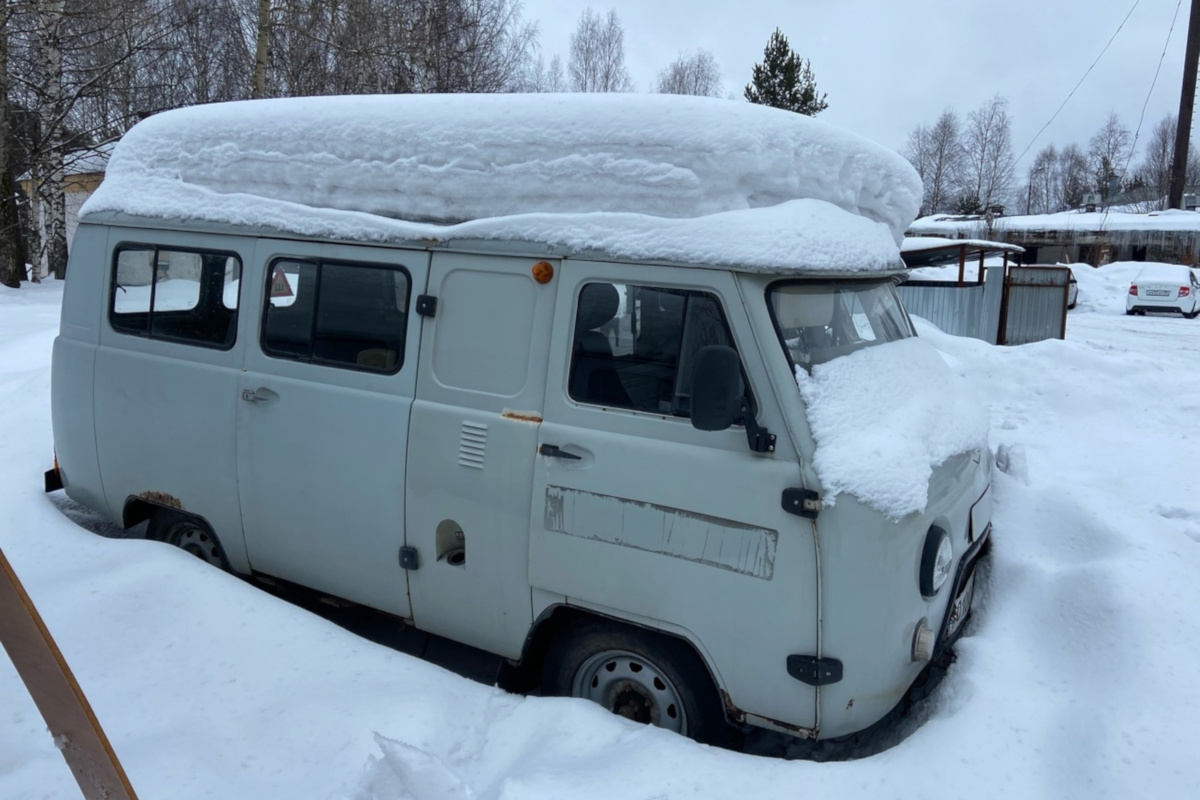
(472, 445)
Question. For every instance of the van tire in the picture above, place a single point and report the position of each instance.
(655, 679)
(190, 533)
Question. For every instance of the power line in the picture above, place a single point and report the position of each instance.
(1142, 118)
(1081, 80)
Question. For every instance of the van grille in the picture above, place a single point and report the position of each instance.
(472, 445)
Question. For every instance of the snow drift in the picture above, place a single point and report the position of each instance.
(575, 171)
(1076, 680)
(882, 445)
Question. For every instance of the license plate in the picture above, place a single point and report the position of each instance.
(961, 607)
(1158, 293)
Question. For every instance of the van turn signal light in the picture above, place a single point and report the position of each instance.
(543, 271)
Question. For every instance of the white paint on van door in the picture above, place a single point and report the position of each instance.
(470, 468)
(675, 532)
(322, 450)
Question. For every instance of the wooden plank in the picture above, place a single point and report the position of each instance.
(41, 665)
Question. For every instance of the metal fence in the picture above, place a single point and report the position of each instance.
(971, 309)
(1035, 304)
(1014, 306)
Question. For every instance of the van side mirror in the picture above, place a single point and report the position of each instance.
(716, 388)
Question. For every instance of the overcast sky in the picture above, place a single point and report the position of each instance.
(889, 65)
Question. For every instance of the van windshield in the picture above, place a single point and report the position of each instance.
(817, 322)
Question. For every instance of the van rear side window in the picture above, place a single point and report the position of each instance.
(185, 296)
(346, 315)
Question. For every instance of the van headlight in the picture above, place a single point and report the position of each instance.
(936, 561)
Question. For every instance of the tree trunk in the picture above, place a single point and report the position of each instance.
(12, 257)
(258, 88)
(52, 190)
(35, 224)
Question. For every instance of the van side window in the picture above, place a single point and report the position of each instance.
(347, 315)
(635, 346)
(177, 295)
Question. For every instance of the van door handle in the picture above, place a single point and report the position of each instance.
(259, 395)
(554, 451)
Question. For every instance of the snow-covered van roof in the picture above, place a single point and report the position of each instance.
(658, 177)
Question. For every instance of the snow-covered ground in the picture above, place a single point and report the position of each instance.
(1080, 678)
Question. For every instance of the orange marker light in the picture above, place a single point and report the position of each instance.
(543, 271)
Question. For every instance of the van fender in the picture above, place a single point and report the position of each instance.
(142, 507)
(525, 675)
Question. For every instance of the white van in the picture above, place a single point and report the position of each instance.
(570, 433)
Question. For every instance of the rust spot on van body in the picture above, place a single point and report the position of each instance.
(162, 499)
(522, 416)
(734, 713)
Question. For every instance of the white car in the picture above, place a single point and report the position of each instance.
(1164, 287)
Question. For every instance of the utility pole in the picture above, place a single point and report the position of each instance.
(1187, 99)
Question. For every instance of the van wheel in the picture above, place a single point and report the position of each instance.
(189, 533)
(638, 675)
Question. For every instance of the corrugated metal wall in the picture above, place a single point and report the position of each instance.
(1036, 304)
(972, 310)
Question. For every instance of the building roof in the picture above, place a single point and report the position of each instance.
(929, 251)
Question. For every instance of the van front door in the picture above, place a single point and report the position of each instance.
(639, 515)
(323, 417)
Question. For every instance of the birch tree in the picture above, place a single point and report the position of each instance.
(1155, 170)
(12, 255)
(691, 74)
(48, 235)
(987, 153)
(1108, 153)
(1073, 178)
(262, 50)
(540, 76)
(597, 57)
(936, 152)
(1042, 187)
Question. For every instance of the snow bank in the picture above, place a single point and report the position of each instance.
(576, 171)
(884, 417)
(1076, 679)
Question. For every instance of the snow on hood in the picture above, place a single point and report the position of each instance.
(446, 159)
(884, 417)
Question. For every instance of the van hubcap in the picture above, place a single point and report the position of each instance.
(197, 542)
(633, 687)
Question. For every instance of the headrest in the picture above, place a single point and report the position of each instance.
(598, 303)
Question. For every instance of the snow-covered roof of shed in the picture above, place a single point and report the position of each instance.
(656, 177)
(920, 244)
(1076, 221)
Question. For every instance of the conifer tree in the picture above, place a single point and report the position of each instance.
(784, 80)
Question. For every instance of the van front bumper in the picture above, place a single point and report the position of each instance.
(959, 608)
